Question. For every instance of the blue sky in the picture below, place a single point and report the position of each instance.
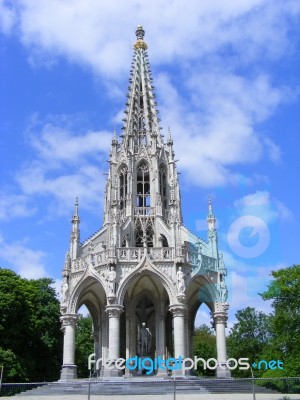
(227, 83)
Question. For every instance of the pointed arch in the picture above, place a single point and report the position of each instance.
(146, 268)
(90, 291)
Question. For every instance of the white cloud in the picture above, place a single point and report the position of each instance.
(7, 17)
(95, 33)
(26, 262)
(215, 126)
(66, 163)
(12, 206)
(263, 205)
(59, 144)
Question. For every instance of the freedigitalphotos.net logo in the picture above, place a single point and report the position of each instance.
(256, 229)
(172, 364)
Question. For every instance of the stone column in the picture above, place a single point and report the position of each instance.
(69, 369)
(178, 311)
(161, 341)
(114, 312)
(220, 318)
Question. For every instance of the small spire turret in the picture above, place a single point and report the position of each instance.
(75, 217)
(211, 219)
(212, 232)
(75, 233)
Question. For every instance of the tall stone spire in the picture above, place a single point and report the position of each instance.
(141, 124)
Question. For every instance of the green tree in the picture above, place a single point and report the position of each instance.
(84, 345)
(284, 290)
(249, 337)
(204, 345)
(30, 336)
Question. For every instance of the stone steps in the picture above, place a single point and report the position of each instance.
(146, 386)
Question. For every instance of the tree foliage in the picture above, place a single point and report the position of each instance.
(30, 336)
(84, 345)
(249, 336)
(204, 345)
(284, 290)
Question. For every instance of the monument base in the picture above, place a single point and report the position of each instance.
(68, 372)
(223, 373)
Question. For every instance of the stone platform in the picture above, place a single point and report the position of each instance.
(152, 388)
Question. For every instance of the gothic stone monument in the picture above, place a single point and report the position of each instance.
(143, 266)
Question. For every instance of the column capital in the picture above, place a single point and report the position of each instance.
(114, 311)
(68, 319)
(178, 310)
(219, 317)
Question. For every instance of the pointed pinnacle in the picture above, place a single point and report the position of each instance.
(114, 139)
(210, 208)
(75, 215)
(169, 140)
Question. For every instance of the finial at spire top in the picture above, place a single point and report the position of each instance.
(76, 207)
(210, 208)
(169, 139)
(140, 33)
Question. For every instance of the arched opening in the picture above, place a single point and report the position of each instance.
(143, 185)
(163, 186)
(201, 339)
(164, 241)
(122, 186)
(145, 317)
(146, 304)
(84, 341)
(91, 334)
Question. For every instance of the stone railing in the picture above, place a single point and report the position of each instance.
(137, 253)
(206, 262)
(161, 253)
(209, 263)
(101, 257)
(144, 211)
(130, 253)
(191, 257)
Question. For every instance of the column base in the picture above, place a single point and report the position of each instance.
(223, 373)
(111, 372)
(162, 373)
(68, 372)
(180, 373)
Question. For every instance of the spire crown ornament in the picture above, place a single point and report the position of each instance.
(140, 33)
